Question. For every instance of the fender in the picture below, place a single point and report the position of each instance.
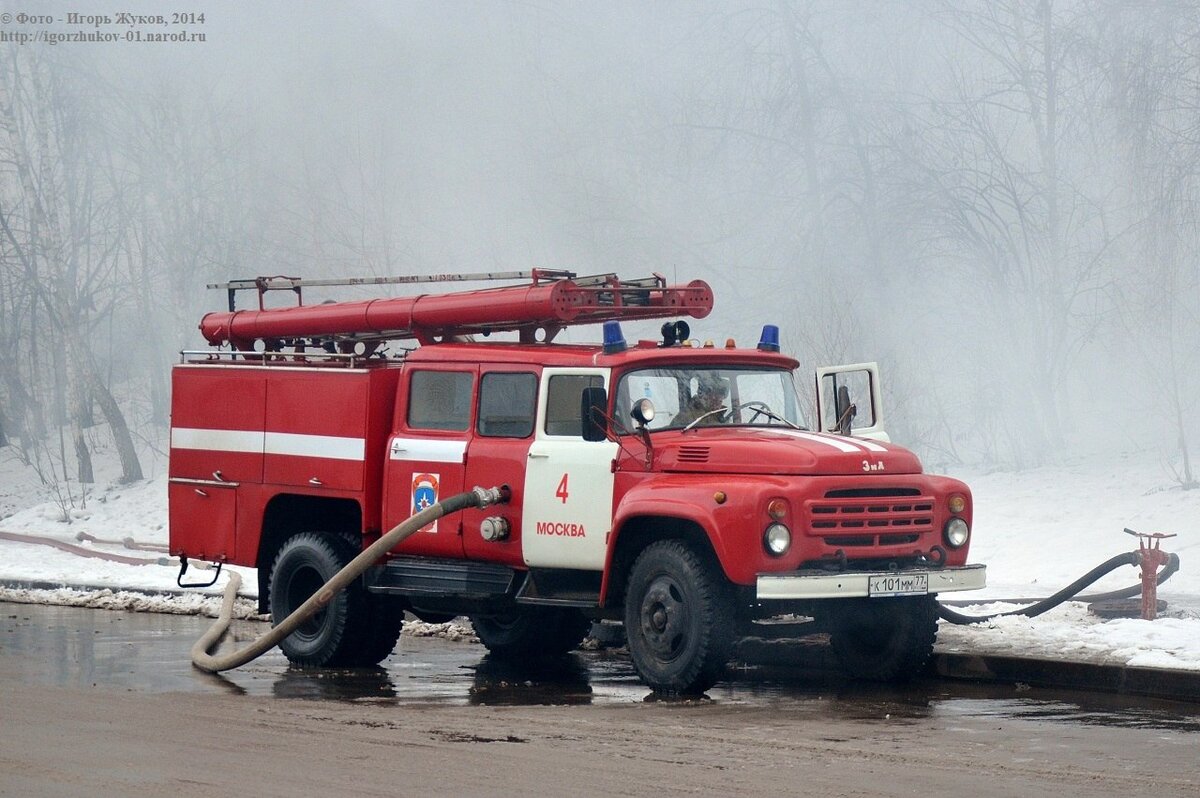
(686, 500)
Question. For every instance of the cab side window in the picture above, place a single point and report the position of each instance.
(439, 400)
(507, 404)
(846, 389)
(563, 397)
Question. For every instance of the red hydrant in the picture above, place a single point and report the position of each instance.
(1152, 558)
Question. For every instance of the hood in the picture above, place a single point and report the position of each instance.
(758, 450)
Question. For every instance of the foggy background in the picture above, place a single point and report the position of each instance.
(996, 200)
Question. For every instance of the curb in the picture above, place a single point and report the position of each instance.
(817, 662)
(36, 584)
(1176, 685)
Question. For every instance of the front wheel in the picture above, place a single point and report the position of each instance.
(678, 619)
(884, 639)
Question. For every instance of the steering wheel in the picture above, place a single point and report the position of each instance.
(759, 408)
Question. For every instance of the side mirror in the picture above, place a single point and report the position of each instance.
(592, 405)
(846, 410)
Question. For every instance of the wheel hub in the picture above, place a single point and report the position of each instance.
(299, 590)
(658, 618)
(665, 618)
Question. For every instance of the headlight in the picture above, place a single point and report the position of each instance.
(777, 539)
(956, 532)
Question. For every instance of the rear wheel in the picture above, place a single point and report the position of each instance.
(678, 619)
(884, 640)
(378, 641)
(531, 631)
(341, 633)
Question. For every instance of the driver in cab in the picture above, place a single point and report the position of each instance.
(710, 395)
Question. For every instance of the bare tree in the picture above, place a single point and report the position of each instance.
(1150, 58)
(1007, 210)
(58, 225)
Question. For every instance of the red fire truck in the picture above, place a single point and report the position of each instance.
(670, 484)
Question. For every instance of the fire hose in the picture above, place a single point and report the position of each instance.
(71, 548)
(127, 542)
(204, 660)
(1070, 591)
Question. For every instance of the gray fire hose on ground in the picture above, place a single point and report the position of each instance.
(211, 663)
(1069, 592)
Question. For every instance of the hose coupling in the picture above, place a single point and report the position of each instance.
(486, 497)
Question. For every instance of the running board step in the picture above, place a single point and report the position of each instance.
(426, 576)
(561, 587)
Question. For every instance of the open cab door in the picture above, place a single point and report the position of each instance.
(849, 401)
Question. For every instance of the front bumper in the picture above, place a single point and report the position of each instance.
(849, 584)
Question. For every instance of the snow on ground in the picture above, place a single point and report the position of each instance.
(1040, 529)
(1036, 530)
(111, 512)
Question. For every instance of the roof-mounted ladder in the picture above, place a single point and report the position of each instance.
(536, 310)
(282, 282)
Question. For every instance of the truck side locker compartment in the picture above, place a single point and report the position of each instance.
(217, 423)
(316, 425)
(202, 517)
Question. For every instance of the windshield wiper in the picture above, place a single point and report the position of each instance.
(772, 414)
(700, 418)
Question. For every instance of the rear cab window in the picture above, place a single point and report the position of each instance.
(507, 404)
(440, 400)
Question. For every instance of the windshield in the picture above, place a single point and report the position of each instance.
(710, 395)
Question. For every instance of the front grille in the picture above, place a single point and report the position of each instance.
(858, 493)
(870, 540)
(863, 517)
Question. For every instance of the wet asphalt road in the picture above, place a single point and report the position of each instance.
(94, 702)
(148, 652)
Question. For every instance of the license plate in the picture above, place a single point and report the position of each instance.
(898, 585)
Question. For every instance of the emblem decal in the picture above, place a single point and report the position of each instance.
(425, 495)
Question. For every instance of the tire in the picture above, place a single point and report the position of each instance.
(530, 631)
(338, 634)
(678, 619)
(884, 640)
(385, 621)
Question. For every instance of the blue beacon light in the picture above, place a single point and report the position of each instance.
(614, 339)
(769, 342)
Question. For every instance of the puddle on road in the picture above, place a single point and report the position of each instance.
(150, 653)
